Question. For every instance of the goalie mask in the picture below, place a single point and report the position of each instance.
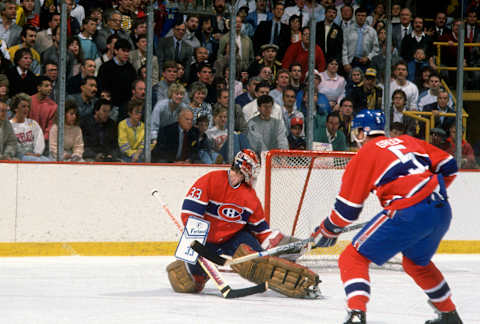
(249, 165)
(366, 123)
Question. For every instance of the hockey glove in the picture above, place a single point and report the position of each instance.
(272, 240)
(326, 234)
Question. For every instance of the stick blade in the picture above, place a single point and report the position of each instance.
(205, 252)
(243, 292)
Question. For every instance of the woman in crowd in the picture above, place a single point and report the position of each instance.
(332, 85)
(131, 134)
(72, 135)
(73, 45)
(28, 132)
(198, 93)
(355, 80)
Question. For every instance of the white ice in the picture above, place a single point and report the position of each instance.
(136, 290)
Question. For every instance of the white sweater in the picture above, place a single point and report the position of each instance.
(29, 135)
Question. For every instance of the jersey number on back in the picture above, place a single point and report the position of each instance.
(408, 159)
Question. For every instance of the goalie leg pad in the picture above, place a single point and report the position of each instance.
(182, 281)
(288, 278)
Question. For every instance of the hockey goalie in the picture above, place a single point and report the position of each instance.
(228, 201)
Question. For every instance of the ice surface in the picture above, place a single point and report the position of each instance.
(136, 290)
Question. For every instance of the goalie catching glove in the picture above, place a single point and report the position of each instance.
(326, 234)
(288, 278)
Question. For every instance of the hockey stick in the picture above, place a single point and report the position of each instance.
(220, 260)
(210, 269)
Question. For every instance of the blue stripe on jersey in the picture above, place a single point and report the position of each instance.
(346, 211)
(357, 286)
(193, 206)
(213, 209)
(440, 292)
(447, 167)
(401, 169)
(260, 227)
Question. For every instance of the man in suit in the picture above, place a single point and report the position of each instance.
(471, 27)
(246, 47)
(259, 15)
(440, 30)
(175, 48)
(138, 58)
(9, 30)
(280, 35)
(330, 35)
(404, 28)
(441, 106)
(177, 142)
(113, 26)
(417, 39)
(20, 77)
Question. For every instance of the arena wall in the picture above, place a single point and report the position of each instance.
(81, 209)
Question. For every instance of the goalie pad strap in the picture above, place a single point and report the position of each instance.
(182, 281)
(288, 278)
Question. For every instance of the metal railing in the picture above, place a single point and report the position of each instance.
(452, 68)
(428, 118)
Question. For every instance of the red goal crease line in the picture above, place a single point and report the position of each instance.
(48, 249)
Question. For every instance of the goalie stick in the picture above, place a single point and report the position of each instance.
(205, 252)
(210, 268)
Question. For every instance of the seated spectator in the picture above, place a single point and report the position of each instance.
(269, 58)
(417, 39)
(27, 14)
(114, 113)
(177, 142)
(368, 95)
(100, 134)
(296, 76)
(108, 55)
(8, 140)
(138, 57)
(330, 134)
(400, 73)
(131, 134)
(8, 14)
(438, 137)
(282, 81)
(332, 85)
(289, 107)
(87, 69)
(468, 156)
(397, 129)
(88, 46)
(45, 37)
(222, 101)
(423, 83)
(166, 111)
(246, 48)
(72, 135)
(52, 53)
(117, 75)
(198, 93)
(218, 134)
(29, 134)
(249, 95)
(21, 78)
(43, 109)
(295, 138)
(200, 56)
(399, 105)
(265, 132)
(238, 86)
(379, 63)
(205, 75)
(205, 151)
(50, 70)
(86, 99)
(346, 120)
(113, 26)
(169, 76)
(75, 48)
(28, 36)
(430, 95)
(416, 65)
(354, 80)
(323, 106)
(251, 110)
(441, 106)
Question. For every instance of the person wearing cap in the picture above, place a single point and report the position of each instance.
(367, 95)
(269, 58)
(295, 138)
(330, 133)
(273, 31)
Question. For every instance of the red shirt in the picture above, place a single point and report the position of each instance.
(43, 112)
(297, 54)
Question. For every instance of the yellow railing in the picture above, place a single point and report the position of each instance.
(452, 68)
(429, 120)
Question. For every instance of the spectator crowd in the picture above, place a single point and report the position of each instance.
(106, 76)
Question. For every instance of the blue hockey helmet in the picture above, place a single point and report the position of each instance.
(368, 122)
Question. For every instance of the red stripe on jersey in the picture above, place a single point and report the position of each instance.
(370, 231)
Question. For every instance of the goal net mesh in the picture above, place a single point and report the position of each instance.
(300, 191)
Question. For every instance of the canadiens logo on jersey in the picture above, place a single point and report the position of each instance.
(230, 212)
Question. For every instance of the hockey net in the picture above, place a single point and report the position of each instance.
(300, 191)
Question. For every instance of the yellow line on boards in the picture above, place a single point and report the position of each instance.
(25, 249)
